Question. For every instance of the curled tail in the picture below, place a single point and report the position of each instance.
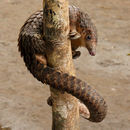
(62, 81)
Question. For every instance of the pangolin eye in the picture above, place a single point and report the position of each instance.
(88, 37)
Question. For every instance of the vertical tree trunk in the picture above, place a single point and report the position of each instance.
(65, 109)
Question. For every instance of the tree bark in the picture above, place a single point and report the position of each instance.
(65, 109)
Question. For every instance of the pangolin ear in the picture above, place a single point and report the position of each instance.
(74, 35)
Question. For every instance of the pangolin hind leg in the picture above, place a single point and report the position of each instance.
(76, 54)
(41, 59)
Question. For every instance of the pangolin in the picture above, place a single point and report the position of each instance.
(32, 47)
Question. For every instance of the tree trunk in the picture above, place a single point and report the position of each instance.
(65, 109)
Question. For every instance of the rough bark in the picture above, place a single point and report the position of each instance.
(65, 109)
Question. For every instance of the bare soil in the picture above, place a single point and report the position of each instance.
(23, 99)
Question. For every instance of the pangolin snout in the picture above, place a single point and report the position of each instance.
(92, 51)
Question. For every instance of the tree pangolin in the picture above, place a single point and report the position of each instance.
(31, 44)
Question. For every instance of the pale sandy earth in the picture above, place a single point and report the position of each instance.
(23, 99)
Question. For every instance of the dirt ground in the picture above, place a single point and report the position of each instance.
(23, 99)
